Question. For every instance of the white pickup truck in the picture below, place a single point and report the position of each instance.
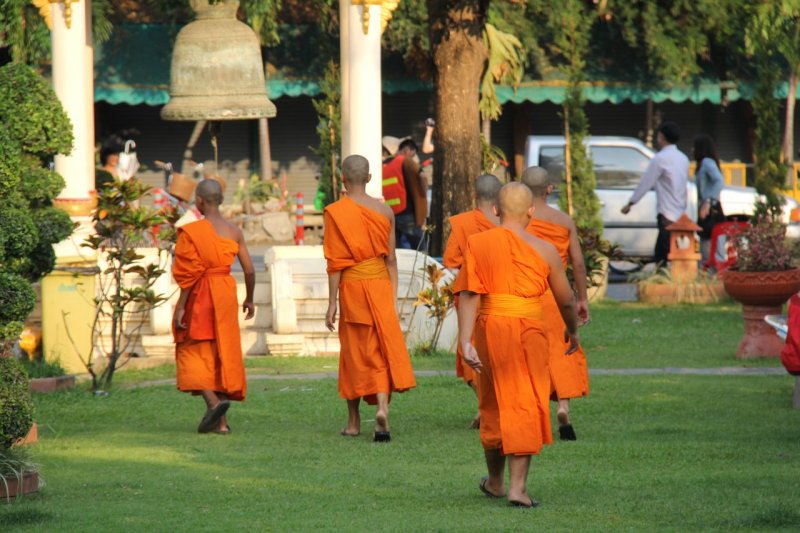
(619, 163)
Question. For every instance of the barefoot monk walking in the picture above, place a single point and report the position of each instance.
(359, 246)
(506, 272)
(462, 226)
(568, 373)
(208, 350)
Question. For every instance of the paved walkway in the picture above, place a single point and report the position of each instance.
(722, 371)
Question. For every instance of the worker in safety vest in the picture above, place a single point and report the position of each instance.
(405, 191)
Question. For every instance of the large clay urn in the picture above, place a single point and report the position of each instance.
(761, 294)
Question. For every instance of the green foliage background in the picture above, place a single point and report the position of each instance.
(35, 128)
(329, 115)
(16, 407)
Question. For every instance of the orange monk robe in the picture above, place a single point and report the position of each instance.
(373, 355)
(513, 397)
(208, 353)
(569, 373)
(461, 227)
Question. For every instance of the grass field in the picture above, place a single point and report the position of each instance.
(655, 453)
(620, 335)
(678, 453)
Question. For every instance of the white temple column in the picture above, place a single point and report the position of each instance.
(73, 74)
(361, 85)
(344, 69)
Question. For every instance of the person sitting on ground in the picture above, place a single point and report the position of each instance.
(208, 350)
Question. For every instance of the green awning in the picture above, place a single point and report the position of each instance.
(132, 68)
(615, 93)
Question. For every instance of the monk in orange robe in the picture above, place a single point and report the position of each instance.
(568, 373)
(480, 219)
(359, 245)
(208, 350)
(506, 273)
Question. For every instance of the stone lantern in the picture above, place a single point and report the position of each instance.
(683, 256)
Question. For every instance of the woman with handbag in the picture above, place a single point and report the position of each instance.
(708, 178)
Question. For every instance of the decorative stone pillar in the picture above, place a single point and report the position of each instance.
(683, 256)
(73, 73)
(362, 22)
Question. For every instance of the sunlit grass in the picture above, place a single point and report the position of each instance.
(675, 453)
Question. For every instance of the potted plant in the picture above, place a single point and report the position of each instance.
(17, 474)
(762, 279)
(597, 252)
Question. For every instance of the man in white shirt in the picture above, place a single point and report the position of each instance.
(668, 174)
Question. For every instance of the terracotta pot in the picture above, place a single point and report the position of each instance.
(28, 484)
(761, 294)
(766, 289)
(31, 438)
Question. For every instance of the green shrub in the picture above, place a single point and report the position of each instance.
(39, 368)
(17, 298)
(16, 407)
(37, 264)
(40, 185)
(19, 232)
(34, 128)
(31, 112)
(54, 225)
(10, 163)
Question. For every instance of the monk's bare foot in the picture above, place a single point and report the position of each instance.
(521, 499)
(381, 421)
(563, 416)
(476, 422)
(348, 432)
(489, 489)
(223, 428)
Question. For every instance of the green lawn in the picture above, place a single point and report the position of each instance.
(675, 453)
(627, 335)
(620, 335)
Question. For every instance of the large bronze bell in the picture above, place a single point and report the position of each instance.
(217, 70)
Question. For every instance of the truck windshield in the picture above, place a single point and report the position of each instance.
(618, 167)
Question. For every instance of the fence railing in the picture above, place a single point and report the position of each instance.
(732, 173)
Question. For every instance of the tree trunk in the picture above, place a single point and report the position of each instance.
(522, 128)
(788, 131)
(459, 57)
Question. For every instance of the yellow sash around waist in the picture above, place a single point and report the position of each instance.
(374, 268)
(512, 306)
(218, 271)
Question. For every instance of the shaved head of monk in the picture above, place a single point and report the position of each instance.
(514, 203)
(208, 195)
(355, 170)
(210, 191)
(487, 187)
(537, 180)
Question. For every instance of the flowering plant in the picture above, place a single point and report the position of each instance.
(438, 298)
(762, 247)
